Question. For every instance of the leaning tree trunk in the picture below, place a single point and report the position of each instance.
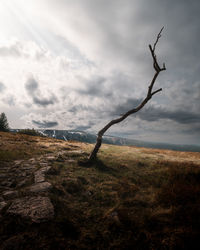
(149, 95)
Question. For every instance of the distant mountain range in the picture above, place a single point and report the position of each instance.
(91, 138)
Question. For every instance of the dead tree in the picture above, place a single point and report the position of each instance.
(149, 95)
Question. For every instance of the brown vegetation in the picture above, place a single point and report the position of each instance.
(130, 198)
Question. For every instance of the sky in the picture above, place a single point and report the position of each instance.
(77, 64)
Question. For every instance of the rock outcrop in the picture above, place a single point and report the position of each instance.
(37, 209)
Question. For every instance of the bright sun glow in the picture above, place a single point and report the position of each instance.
(16, 20)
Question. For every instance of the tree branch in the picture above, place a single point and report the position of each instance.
(158, 37)
(158, 90)
(149, 95)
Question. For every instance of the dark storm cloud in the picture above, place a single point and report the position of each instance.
(178, 47)
(152, 113)
(128, 105)
(180, 116)
(115, 35)
(96, 87)
(81, 108)
(44, 101)
(32, 88)
(135, 24)
(82, 128)
(2, 87)
(45, 124)
(192, 130)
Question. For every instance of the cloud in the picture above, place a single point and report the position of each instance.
(95, 86)
(10, 100)
(22, 49)
(44, 101)
(45, 124)
(2, 87)
(129, 104)
(93, 58)
(155, 113)
(181, 116)
(12, 50)
(32, 88)
(82, 128)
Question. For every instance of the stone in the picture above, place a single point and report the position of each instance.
(40, 174)
(9, 195)
(37, 209)
(40, 187)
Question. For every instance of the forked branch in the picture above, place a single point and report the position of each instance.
(149, 95)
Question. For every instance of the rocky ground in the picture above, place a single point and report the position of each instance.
(129, 198)
(24, 190)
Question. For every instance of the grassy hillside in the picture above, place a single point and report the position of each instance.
(130, 198)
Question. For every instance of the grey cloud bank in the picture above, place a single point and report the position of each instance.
(93, 63)
(44, 124)
(32, 88)
(2, 87)
(153, 113)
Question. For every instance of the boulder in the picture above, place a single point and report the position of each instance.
(40, 174)
(37, 209)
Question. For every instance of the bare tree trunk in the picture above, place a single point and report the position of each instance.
(149, 95)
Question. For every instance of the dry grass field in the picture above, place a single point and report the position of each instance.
(130, 198)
